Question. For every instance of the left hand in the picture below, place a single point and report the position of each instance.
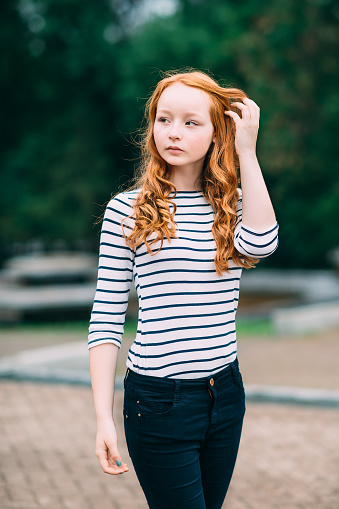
(246, 126)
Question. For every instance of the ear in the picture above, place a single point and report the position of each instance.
(214, 138)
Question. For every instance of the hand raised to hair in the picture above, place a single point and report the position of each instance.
(246, 126)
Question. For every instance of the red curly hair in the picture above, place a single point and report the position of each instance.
(219, 179)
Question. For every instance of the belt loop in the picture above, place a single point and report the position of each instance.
(126, 376)
(235, 369)
(176, 390)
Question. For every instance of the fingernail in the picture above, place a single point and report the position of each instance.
(118, 463)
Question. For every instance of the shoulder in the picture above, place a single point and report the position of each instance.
(123, 202)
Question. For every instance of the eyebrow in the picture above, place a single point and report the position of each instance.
(188, 113)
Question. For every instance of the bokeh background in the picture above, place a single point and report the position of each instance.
(74, 79)
(75, 76)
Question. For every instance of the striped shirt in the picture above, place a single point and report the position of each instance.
(186, 321)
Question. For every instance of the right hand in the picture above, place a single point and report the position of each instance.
(106, 448)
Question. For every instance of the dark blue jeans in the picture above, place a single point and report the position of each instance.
(183, 436)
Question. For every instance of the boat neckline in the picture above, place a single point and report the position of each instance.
(197, 191)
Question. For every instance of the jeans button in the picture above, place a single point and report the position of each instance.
(211, 382)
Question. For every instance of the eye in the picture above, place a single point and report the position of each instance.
(162, 120)
(191, 122)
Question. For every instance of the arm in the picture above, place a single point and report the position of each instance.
(103, 361)
(257, 208)
(256, 233)
(106, 328)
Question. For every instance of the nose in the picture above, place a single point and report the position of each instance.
(175, 132)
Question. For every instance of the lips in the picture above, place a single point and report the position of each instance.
(174, 148)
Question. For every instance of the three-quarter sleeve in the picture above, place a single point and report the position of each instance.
(252, 242)
(115, 274)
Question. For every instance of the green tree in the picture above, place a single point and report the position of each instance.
(61, 150)
(75, 78)
(284, 55)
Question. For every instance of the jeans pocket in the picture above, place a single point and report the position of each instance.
(154, 403)
(237, 379)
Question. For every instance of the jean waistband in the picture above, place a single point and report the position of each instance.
(162, 384)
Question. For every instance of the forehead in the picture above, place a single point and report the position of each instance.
(181, 97)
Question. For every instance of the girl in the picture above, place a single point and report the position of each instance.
(183, 232)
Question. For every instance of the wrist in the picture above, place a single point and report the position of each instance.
(102, 418)
(249, 154)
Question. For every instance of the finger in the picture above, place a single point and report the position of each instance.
(245, 110)
(114, 458)
(234, 115)
(254, 108)
(251, 102)
(109, 467)
(111, 463)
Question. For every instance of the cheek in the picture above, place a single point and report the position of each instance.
(204, 140)
(157, 137)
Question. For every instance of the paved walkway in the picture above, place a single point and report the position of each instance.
(288, 459)
(299, 368)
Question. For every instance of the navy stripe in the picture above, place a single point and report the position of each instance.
(115, 246)
(99, 322)
(164, 366)
(177, 214)
(258, 245)
(189, 282)
(101, 331)
(111, 280)
(256, 255)
(107, 313)
(181, 317)
(180, 271)
(103, 339)
(114, 257)
(201, 232)
(190, 327)
(108, 220)
(125, 269)
(216, 292)
(120, 201)
(179, 248)
(195, 371)
(267, 232)
(183, 340)
(196, 222)
(110, 291)
(115, 234)
(188, 304)
(110, 302)
(195, 240)
(176, 352)
(194, 206)
(191, 260)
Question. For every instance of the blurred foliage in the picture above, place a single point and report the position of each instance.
(75, 76)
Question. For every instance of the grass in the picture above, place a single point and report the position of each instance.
(254, 327)
(79, 326)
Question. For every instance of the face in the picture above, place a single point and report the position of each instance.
(183, 131)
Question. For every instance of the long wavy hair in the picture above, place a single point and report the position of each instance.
(219, 180)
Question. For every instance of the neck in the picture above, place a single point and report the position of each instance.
(184, 182)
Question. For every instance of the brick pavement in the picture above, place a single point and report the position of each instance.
(288, 458)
